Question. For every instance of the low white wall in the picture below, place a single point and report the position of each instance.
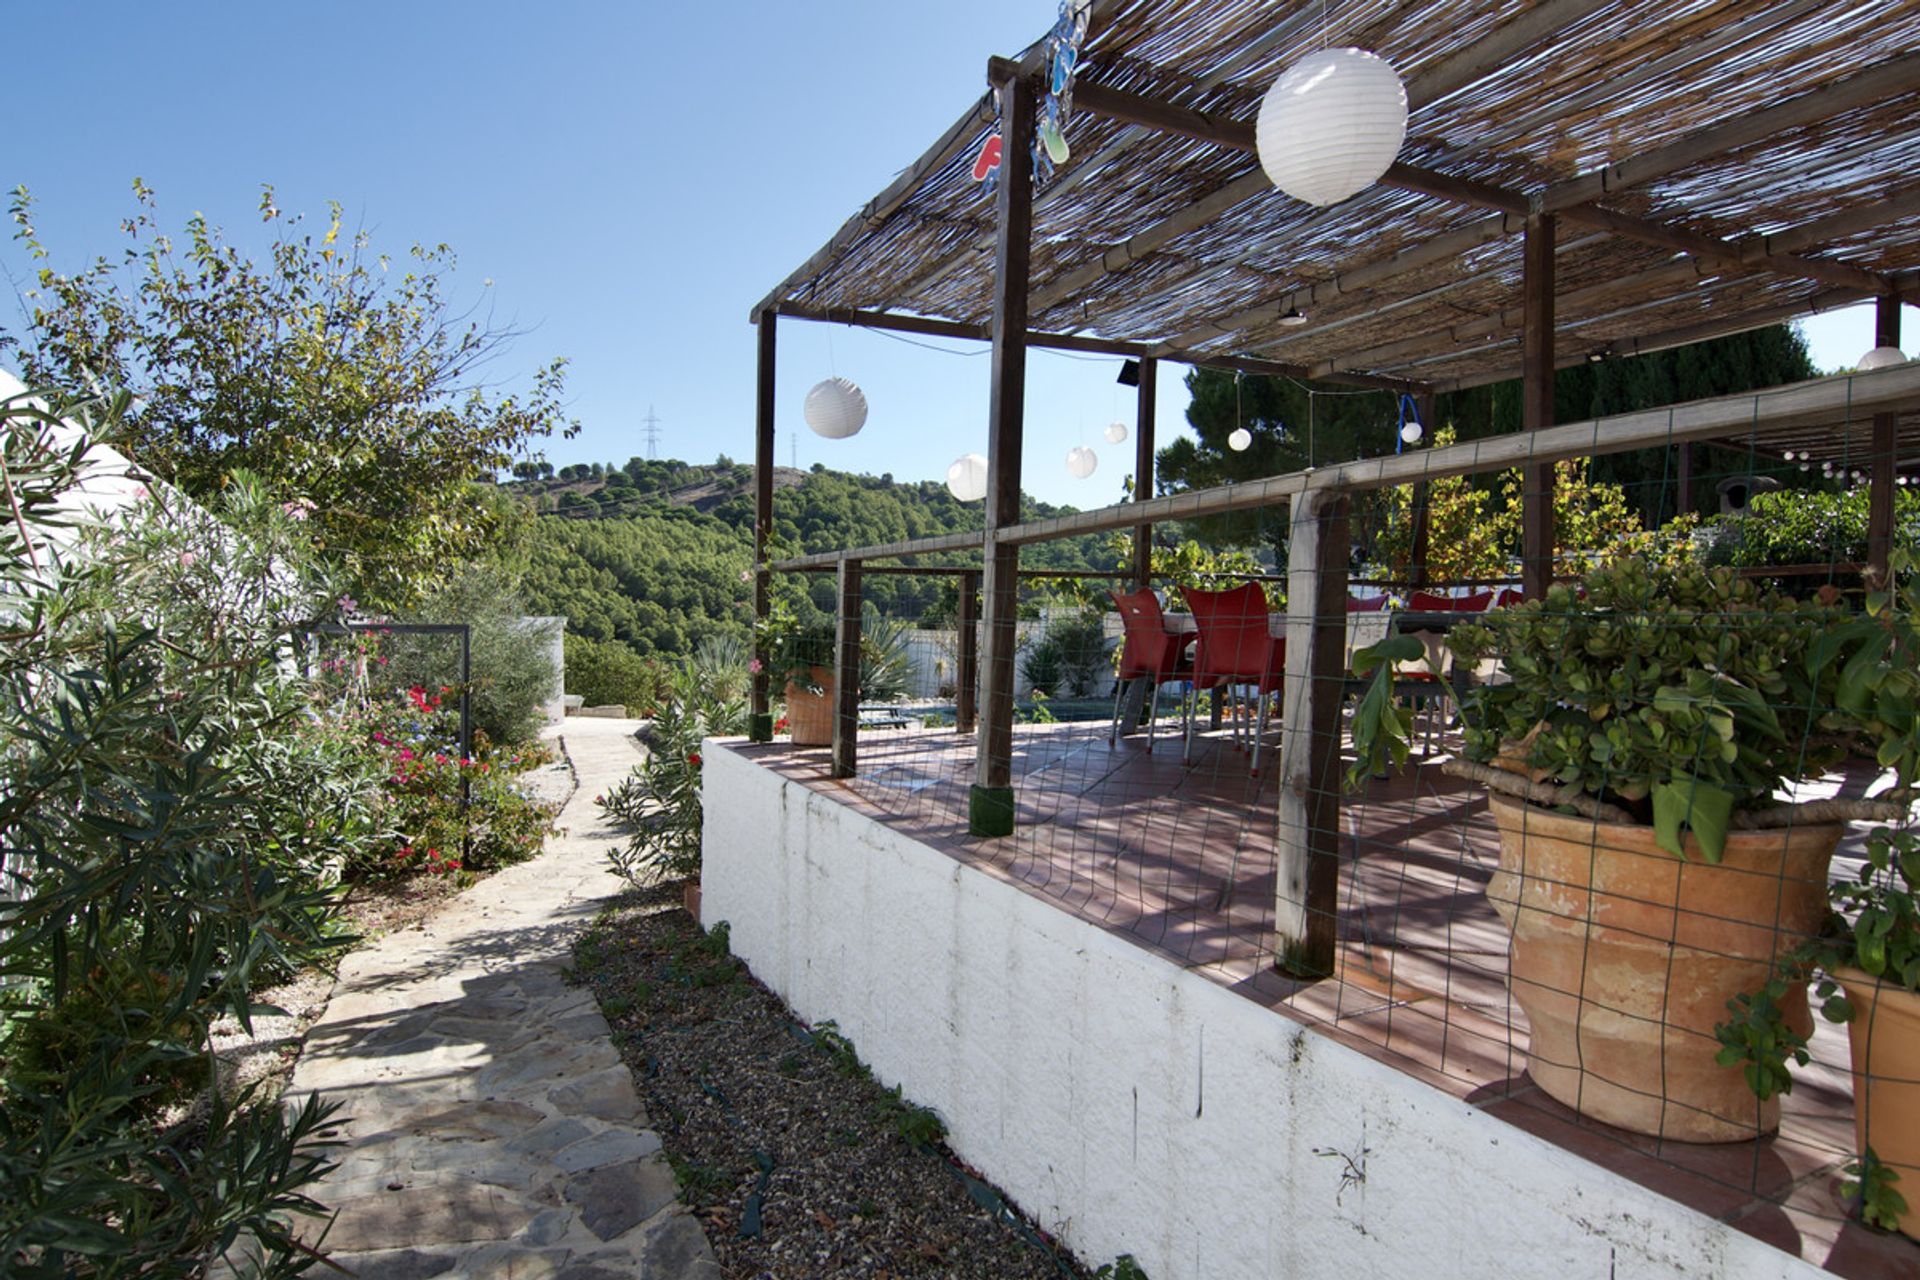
(1133, 1107)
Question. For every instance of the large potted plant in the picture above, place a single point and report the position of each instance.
(799, 660)
(1866, 962)
(1649, 870)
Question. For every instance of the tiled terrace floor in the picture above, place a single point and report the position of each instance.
(1180, 860)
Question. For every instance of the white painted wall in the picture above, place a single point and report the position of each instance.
(553, 627)
(1133, 1107)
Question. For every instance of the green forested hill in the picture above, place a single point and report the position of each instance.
(652, 554)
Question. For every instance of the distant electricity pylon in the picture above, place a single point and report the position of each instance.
(650, 430)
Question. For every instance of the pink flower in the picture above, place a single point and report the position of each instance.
(187, 558)
(746, 575)
(348, 604)
(298, 508)
(756, 667)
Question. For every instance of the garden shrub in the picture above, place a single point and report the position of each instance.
(166, 851)
(1071, 657)
(608, 673)
(512, 665)
(659, 802)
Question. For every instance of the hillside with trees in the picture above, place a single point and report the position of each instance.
(651, 555)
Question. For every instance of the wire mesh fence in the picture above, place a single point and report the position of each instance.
(1580, 854)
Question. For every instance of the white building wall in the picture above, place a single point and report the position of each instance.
(1133, 1107)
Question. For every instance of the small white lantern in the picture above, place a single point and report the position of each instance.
(1117, 433)
(1081, 461)
(1332, 125)
(967, 477)
(1412, 431)
(1881, 358)
(836, 408)
(1240, 440)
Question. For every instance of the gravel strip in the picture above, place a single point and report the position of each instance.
(799, 1163)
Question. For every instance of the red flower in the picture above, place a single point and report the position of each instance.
(693, 759)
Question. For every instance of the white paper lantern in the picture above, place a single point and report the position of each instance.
(967, 477)
(1412, 431)
(1240, 440)
(1332, 125)
(1881, 358)
(836, 408)
(1081, 461)
(1117, 433)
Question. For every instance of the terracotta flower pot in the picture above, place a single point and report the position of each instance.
(810, 715)
(690, 898)
(1624, 957)
(1885, 1035)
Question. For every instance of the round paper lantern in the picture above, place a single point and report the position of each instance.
(1881, 358)
(1240, 440)
(967, 477)
(1332, 125)
(836, 409)
(1081, 461)
(1117, 433)
(1412, 431)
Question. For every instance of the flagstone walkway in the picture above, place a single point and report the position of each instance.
(492, 1129)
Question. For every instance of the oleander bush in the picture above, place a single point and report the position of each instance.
(169, 828)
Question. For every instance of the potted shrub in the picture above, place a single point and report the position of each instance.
(1867, 965)
(799, 660)
(1648, 871)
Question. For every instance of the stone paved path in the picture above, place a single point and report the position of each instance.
(492, 1129)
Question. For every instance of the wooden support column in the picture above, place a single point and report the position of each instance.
(1143, 472)
(846, 672)
(1885, 462)
(760, 719)
(1536, 518)
(1683, 480)
(990, 803)
(1427, 406)
(1307, 886)
(966, 702)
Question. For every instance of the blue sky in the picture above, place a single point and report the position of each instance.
(630, 177)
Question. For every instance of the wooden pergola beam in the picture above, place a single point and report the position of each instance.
(1689, 271)
(1206, 127)
(935, 328)
(1884, 80)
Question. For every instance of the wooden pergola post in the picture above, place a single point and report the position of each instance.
(1143, 471)
(1536, 396)
(846, 672)
(760, 719)
(1427, 406)
(1308, 848)
(990, 802)
(1683, 480)
(966, 675)
(1886, 333)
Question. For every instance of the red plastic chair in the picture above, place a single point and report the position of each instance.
(1366, 604)
(1508, 596)
(1430, 602)
(1150, 652)
(1236, 648)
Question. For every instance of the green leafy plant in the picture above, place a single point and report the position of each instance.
(168, 847)
(1680, 697)
(660, 801)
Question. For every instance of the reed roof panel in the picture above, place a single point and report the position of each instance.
(1152, 237)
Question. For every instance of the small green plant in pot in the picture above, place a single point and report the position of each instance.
(798, 659)
(1648, 870)
(1865, 963)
